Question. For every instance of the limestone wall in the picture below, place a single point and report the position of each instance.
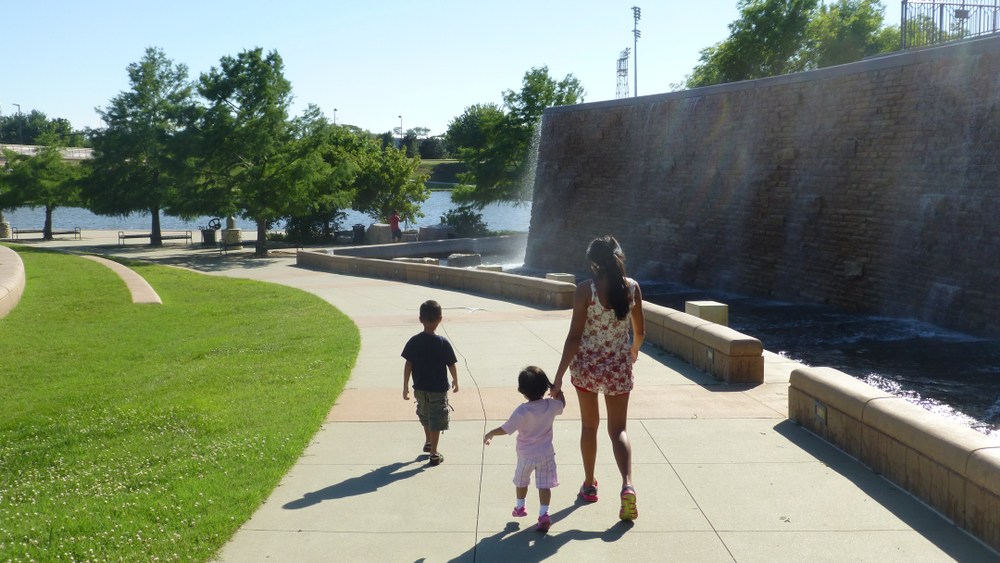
(872, 186)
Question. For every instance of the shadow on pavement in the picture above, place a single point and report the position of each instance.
(935, 528)
(361, 485)
(531, 546)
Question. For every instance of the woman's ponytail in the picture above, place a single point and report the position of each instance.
(608, 260)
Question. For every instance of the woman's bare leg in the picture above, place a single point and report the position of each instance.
(591, 421)
(617, 421)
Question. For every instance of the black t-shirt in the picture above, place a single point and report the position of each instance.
(430, 355)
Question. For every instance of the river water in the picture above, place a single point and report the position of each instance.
(499, 217)
(953, 374)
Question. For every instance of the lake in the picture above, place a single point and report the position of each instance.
(499, 217)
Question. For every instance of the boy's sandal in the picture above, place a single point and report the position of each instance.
(629, 510)
(427, 447)
(589, 494)
(437, 459)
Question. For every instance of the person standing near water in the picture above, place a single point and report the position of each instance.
(599, 356)
(397, 235)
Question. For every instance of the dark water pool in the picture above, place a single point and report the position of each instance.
(953, 374)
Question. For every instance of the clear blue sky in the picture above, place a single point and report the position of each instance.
(372, 61)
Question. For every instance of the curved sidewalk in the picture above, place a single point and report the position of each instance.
(721, 475)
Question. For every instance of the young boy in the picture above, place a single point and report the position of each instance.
(533, 423)
(429, 357)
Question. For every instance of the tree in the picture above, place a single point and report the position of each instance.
(138, 163)
(432, 148)
(845, 32)
(385, 182)
(41, 180)
(496, 144)
(761, 43)
(28, 129)
(255, 161)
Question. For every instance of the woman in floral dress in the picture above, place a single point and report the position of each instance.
(599, 356)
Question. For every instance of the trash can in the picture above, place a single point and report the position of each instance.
(359, 234)
(208, 237)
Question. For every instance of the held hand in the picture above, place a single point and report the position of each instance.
(555, 390)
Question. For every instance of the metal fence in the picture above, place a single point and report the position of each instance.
(69, 153)
(928, 22)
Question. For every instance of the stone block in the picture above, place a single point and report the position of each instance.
(436, 232)
(565, 278)
(709, 310)
(489, 268)
(432, 261)
(378, 233)
(464, 260)
(836, 389)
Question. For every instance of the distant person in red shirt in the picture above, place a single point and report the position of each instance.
(394, 225)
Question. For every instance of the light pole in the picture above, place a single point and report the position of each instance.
(19, 141)
(401, 131)
(334, 117)
(637, 14)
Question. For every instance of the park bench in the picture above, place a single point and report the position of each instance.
(271, 245)
(76, 232)
(122, 237)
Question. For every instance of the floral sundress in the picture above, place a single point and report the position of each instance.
(603, 363)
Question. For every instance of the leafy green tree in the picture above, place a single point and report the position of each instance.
(41, 180)
(28, 129)
(496, 144)
(255, 161)
(845, 32)
(432, 148)
(385, 182)
(411, 143)
(466, 221)
(761, 43)
(139, 165)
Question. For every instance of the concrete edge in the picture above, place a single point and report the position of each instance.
(140, 289)
(952, 468)
(12, 280)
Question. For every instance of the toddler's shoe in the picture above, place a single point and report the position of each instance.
(544, 522)
(589, 494)
(437, 458)
(519, 512)
(629, 510)
(427, 447)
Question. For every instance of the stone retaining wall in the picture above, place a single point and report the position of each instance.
(12, 280)
(558, 295)
(484, 245)
(954, 469)
(873, 186)
(719, 350)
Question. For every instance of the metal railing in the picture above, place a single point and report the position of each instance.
(930, 22)
(70, 153)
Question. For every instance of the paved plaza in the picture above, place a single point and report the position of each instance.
(721, 474)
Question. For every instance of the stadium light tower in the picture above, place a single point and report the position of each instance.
(637, 14)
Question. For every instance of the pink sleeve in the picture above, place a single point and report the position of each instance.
(514, 422)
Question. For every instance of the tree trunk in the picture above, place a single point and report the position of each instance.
(47, 234)
(261, 249)
(157, 238)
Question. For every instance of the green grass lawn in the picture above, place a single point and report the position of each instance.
(442, 170)
(147, 432)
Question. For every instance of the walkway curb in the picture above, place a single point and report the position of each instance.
(12, 280)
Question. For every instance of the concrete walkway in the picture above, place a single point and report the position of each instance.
(720, 474)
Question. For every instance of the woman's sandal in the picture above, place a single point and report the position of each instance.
(629, 510)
